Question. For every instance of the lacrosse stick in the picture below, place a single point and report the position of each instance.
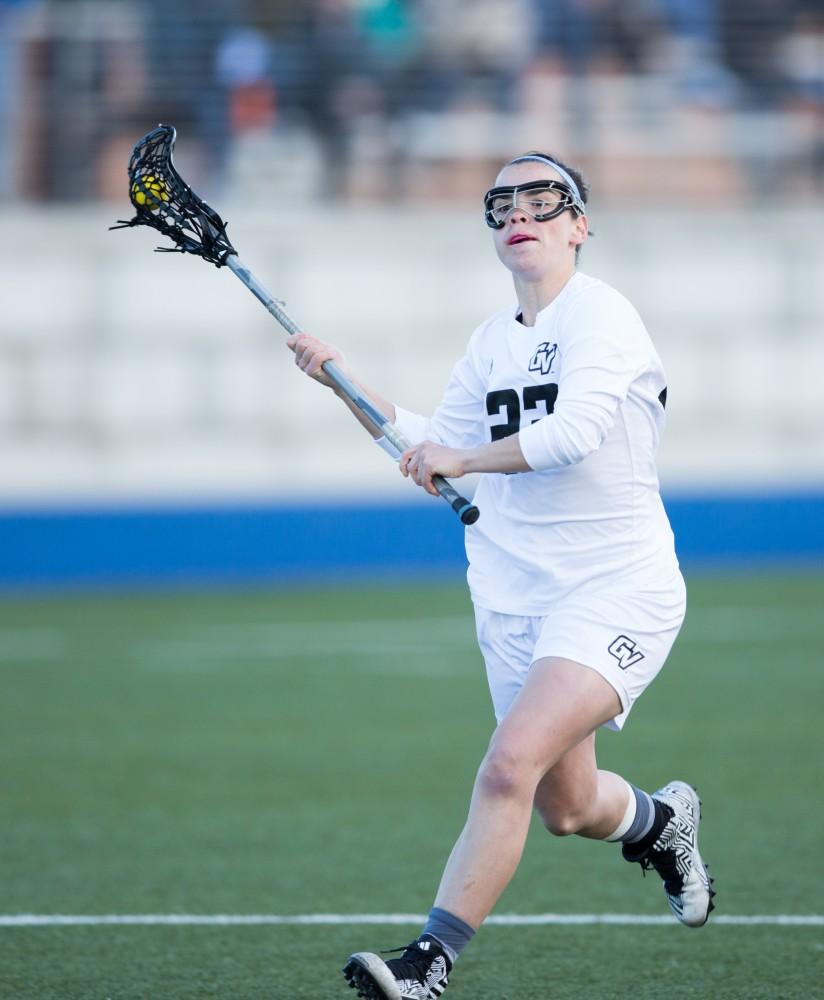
(164, 201)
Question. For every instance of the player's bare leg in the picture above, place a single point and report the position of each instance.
(542, 754)
(576, 797)
(561, 704)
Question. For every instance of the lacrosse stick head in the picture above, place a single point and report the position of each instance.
(164, 201)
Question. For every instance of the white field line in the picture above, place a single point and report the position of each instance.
(352, 919)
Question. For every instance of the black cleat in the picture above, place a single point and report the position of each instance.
(419, 974)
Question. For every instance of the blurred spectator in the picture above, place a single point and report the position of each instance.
(610, 34)
(83, 70)
(91, 74)
(474, 51)
(695, 19)
(802, 59)
(752, 32)
(339, 81)
(243, 66)
(12, 14)
(389, 26)
(803, 54)
(392, 35)
(182, 42)
(692, 53)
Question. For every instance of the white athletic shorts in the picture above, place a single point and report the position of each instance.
(625, 635)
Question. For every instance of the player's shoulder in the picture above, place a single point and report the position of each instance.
(490, 329)
(588, 294)
(594, 306)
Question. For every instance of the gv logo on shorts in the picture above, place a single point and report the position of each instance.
(625, 651)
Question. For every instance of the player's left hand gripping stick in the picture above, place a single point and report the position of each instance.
(163, 200)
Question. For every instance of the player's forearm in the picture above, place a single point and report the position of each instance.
(499, 456)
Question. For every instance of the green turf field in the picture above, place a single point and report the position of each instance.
(312, 753)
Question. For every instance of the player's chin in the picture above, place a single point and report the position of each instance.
(530, 264)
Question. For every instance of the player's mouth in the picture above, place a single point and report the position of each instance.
(519, 238)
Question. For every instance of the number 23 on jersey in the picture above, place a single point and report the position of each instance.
(509, 405)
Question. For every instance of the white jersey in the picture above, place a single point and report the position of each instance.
(585, 389)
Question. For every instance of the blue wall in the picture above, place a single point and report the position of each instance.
(223, 545)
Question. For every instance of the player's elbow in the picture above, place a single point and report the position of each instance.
(565, 438)
(567, 447)
(582, 429)
(577, 446)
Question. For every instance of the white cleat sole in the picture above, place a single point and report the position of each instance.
(369, 975)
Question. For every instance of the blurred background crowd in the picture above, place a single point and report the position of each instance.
(385, 98)
(348, 143)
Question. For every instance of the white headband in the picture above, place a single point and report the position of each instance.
(564, 175)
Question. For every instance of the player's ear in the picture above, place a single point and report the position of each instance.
(580, 230)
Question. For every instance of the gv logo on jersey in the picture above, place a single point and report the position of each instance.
(542, 359)
(625, 651)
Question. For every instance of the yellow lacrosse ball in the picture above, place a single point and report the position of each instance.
(149, 191)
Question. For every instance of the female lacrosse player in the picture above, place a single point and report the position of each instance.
(559, 401)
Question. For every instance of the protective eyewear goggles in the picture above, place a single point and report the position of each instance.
(543, 200)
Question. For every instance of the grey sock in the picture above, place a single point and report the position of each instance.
(452, 932)
(644, 816)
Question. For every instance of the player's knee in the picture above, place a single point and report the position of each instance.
(561, 824)
(562, 817)
(501, 774)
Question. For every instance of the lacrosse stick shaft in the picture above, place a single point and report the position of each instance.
(467, 512)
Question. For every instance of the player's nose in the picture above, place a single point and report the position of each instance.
(517, 214)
